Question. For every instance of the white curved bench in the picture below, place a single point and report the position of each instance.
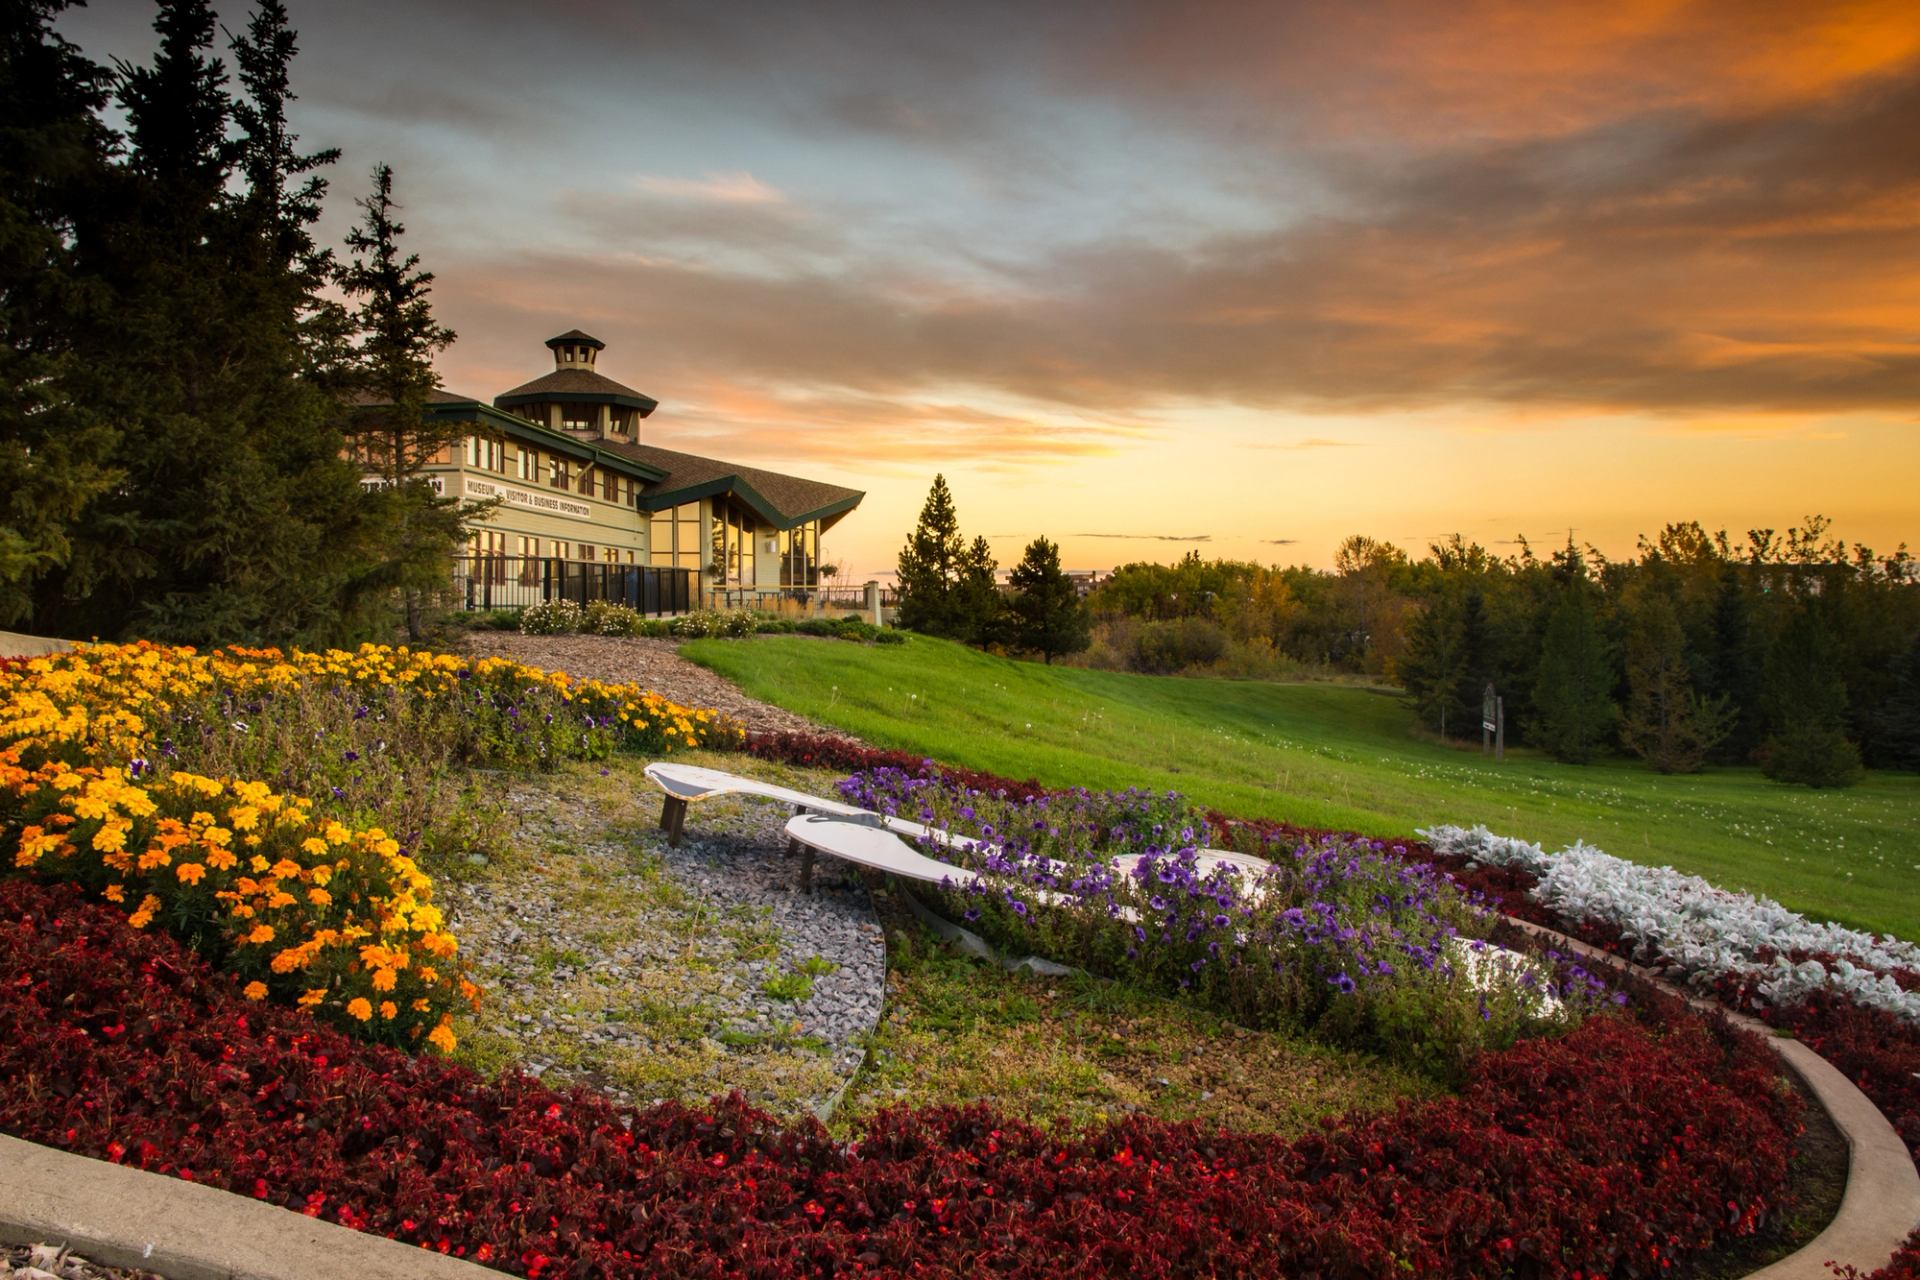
(686, 784)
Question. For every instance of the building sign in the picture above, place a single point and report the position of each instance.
(551, 503)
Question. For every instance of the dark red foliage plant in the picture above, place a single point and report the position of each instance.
(1613, 1150)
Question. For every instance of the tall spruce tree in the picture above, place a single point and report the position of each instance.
(1806, 704)
(235, 516)
(1573, 689)
(55, 447)
(395, 341)
(980, 611)
(1049, 618)
(931, 566)
(1900, 718)
(1666, 724)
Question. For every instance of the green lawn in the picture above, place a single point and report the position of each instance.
(1346, 757)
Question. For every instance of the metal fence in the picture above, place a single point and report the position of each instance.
(514, 582)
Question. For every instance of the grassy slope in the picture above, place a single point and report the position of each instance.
(1345, 757)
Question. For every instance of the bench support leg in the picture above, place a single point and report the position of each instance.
(806, 870)
(673, 818)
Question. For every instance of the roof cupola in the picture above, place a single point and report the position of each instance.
(574, 350)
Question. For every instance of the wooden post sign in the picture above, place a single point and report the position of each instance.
(1493, 723)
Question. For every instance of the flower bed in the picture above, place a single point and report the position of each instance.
(298, 887)
(1703, 932)
(1334, 934)
(1615, 1150)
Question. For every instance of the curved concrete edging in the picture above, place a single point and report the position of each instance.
(1881, 1204)
(125, 1217)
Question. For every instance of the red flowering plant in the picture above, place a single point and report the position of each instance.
(1616, 1150)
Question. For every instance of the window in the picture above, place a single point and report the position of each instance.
(576, 419)
(560, 550)
(561, 476)
(473, 451)
(529, 464)
(673, 537)
(586, 481)
(586, 551)
(608, 483)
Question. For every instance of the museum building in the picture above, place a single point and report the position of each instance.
(576, 486)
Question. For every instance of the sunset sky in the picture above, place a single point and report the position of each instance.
(1145, 278)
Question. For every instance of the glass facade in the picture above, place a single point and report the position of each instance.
(673, 537)
(799, 552)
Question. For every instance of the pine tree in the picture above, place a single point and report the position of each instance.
(1806, 704)
(397, 339)
(1049, 617)
(980, 611)
(1732, 662)
(1573, 690)
(930, 567)
(1666, 723)
(1900, 719)
(55, 448)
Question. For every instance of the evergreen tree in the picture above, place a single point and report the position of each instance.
(1445, 666)
(1900, 719)
(1666, 724)
(396, 340)
(1048, 615)
(234, 518)
(1573, 689)
(1806, 705)
(980, 611)
(1732, 659)
(930, 567)
(55, 448)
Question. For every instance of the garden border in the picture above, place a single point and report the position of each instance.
(132, 1218)
(1880, 1207)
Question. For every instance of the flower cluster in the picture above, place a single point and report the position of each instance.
(338, 921)
(136, 771)
(1610, 1151)
(1336, 934)
(1706, 933)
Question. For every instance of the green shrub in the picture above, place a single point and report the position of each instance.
(551, 618)
(1162, 648)
(1813, 756)
(605, 618)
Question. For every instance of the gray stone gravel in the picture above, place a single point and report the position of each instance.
(655, 972)
(55, 1262)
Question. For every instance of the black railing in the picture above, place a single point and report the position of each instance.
(514, 582)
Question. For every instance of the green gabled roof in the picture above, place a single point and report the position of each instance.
(783, 501)
(451, 406)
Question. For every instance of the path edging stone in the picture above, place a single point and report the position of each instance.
(122, 1217)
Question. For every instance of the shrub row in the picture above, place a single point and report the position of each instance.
(819, 751)
(1614, 1150)
(605, 618)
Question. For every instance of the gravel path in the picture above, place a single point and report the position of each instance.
(655, 664)
(651, 972)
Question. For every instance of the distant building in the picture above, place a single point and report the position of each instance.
(579, 487)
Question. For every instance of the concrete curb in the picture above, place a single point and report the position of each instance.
(15, 645)
(1881, 1205)
(125, 1217)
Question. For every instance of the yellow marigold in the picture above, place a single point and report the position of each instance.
(321, 874)
(141, 918)
(312, 996)
(441, 1037)
(389, 1010)
(383, 979)
(285, 869)
(261, 933)
(114, 893)
(190, 872)
(243, 817)
(337, 834)
(255, 990)
(154, 857)
(319, 897)
(359, 1008)
(221, 859)
(315, 846)
(111, 837)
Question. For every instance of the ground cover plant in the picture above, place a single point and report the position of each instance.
(1617, 1149)
(1334, 935)
(606, 618)
(1346, 759)
(300, 894)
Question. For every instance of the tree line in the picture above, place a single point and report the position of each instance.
(186, 374)
(1798, 652)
